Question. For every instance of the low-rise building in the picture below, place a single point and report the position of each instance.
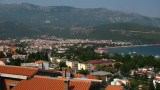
(10, 76)
(38, 64)
(103, 61)
(72, 64)
(23, 57)
(114, 87)
(61, 60)
(84, 66)
(120, 82)
(101, 73)
(3, 61)
(53, 59)
(146, 68)
(26, 78)
(156, 80)
(62, 50)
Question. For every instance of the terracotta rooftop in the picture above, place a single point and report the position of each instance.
(91, 76)
(118, 62)
(50, 83)
(57, 69)
(156, 78)
(120, 82)
(3, 60)
(147, 67)
(40, 61)
(78, 75)
(18, 70)
(113, 87)
(98, 61)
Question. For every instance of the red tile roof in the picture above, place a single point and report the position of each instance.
(78, 75)
(3, 60)
(147, 67)
(57, 69)
(116, 62)
(156, 78)
(120, 82)
(18, 70)
(40, 61)
(50, 83)
(98, 61)
(113, 87)
(91, 76)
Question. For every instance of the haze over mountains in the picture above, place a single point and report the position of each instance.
(69, 22)
(64, 15)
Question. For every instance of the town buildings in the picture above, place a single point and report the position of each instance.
(27, 78)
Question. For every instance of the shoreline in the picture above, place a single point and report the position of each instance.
(129, 46)
(144, 50)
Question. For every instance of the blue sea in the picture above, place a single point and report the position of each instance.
(143, 50)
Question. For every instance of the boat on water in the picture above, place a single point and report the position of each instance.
(134, 52)
(157, 56)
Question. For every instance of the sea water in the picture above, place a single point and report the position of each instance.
(143, 50)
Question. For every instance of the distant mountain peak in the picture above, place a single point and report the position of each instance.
(66, 15)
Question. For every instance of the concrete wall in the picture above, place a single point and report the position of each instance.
(2, 63)
(69, 64)
(29, 64)
(81, 65)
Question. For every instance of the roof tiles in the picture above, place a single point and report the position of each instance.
(156, 78)
(18, 70)
(50, 83)
(98, 61)
(3, 60)
(78, 75)
(113, 87)
(91, 76)
(40, 61)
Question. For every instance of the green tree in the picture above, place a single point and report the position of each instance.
(124, 69)
(84, 72)
(127, 58)
(118, 57)
(2, 55)
(29, 60)
(46, 56)
(117, 65)
(157, 86)
(132, 83)
(62, 64)
(99, 67)
(16, 62)
(151, 86)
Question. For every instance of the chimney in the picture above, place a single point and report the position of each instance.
(64, 74)
(75, 71)
(66, 84)
(140, 87)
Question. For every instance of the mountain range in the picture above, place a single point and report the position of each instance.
(29, 20)
(64, 15)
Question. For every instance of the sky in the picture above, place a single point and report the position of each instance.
(149, 8)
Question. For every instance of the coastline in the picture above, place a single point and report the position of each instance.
(147, 49)
(128, 46)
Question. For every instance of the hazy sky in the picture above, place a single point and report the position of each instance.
(143, 7)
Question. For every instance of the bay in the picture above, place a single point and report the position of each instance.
(143, 50)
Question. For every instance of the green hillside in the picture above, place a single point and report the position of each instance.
(64, 15)
(130, 32)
